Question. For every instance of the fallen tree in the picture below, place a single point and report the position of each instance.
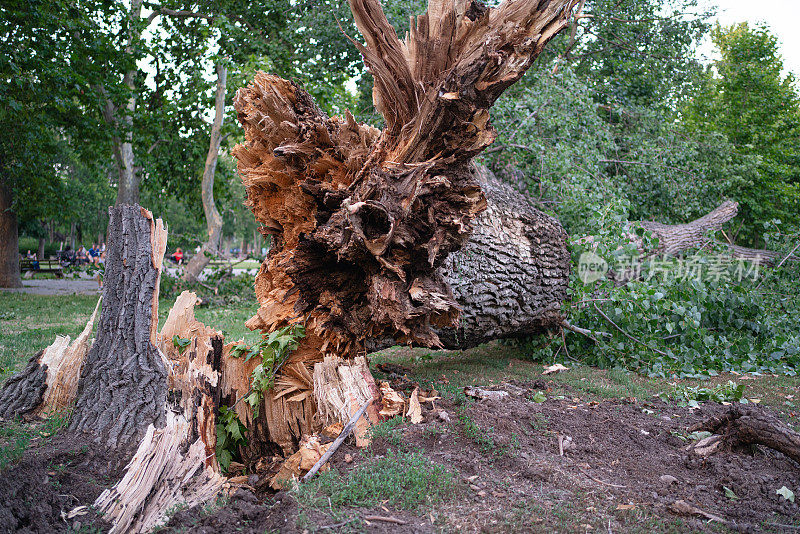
(363, 220)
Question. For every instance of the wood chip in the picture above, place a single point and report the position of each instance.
(414, 408)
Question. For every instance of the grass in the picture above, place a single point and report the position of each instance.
(29, 323)
(399, 479)
(495, 363)
(16, 436)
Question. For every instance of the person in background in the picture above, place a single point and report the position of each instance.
(94, 254)
(101, 264)
(178, 256)
(81, 256)
(34, 260)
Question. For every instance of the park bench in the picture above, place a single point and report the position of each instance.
(45, 266)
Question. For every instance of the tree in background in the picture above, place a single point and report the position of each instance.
(746, 98)
(47, 132)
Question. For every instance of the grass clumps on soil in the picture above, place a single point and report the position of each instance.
(16, 436)
(399, 479)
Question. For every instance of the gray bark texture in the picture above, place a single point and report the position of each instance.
(674, 239)
(23, 392)
(213, 217)
(9, 241)
(511, 277)
(123, 384)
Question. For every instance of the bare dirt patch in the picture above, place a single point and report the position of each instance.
(56, 477)
(625, 464)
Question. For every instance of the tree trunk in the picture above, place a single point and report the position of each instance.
(741, 425)
(40, 250)
(512, 275)
(123, 384)
(363, 220)
(9, 241)
(213, 218)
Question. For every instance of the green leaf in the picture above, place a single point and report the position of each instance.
(180, 343)
(730, 494)
(539, 397)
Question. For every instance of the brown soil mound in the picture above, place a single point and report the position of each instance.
(625, 464)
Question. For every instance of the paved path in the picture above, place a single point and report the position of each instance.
(83, 285)
(65, 286)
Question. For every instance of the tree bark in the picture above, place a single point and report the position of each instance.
(9, 241)
(511, 276)
(123, 384)
(363, 220)
(741, 425)
(213, 218)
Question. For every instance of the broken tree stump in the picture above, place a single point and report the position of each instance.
(123, 383)
(363, 220)
(175, 463)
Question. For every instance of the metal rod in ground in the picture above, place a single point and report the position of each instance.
(339, 440)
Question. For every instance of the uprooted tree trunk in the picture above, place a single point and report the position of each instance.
(363, 220)
(213, 218)
(510, 277)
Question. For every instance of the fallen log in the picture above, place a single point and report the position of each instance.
(741, 425)
(362, 220)
(678, 238)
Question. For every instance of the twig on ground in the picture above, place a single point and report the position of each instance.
(337, 525)
(600, 481)
(348, 428)
(390, 519)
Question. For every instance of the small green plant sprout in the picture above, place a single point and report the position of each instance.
(230, 436)
(730, 494)
(274, 349)
(539, 397)
(180, 343)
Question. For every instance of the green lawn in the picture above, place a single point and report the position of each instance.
(29, 323)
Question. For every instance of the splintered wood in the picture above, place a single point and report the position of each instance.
(361, 220)
(175, 464)
(340, 390)
(49, 383)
